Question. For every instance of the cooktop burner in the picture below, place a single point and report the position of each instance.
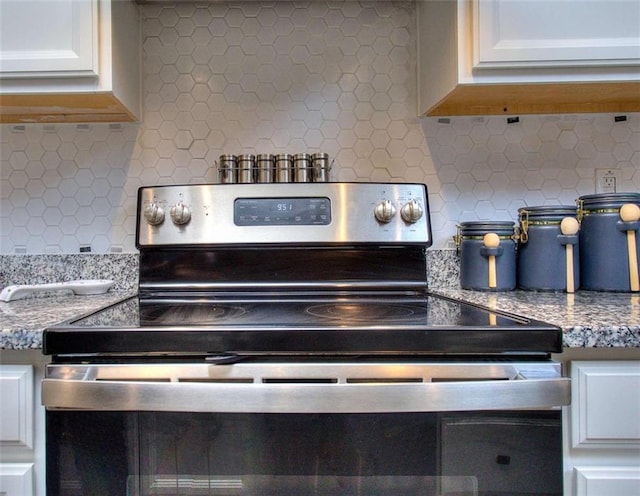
(197, 314)
(367, 313)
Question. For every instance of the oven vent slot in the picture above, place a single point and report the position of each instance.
(214, 380)
(196, 485)
(468, 379)
(300, 380)
(384, 380)
(132, 379)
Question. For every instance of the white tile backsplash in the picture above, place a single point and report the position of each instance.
(270, 77)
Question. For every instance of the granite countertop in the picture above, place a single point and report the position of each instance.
(588, 319)
(22, 321)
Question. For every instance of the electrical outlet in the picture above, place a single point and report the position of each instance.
(608, 180)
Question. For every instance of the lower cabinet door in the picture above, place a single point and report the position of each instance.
(607, 481)
(16, 479)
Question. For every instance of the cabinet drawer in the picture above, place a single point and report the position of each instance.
(605, 409)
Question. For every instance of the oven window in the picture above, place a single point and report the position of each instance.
(452, 454)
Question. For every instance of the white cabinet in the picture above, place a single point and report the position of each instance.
(603, 456)
(607, 481)
(16, 406)
(573, 33)
(16, 479)
(16, 427)
(22, 419)
(69, 61)
(481, 57)
(606, 404)
(44, 38)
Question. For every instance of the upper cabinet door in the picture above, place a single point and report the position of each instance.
(45, 38)
(548, 33)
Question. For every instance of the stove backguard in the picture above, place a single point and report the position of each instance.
(282, 270)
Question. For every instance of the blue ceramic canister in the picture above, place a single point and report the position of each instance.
(477, 259)
(542, 248)
(606, 241)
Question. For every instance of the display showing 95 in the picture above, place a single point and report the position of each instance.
(282, 211)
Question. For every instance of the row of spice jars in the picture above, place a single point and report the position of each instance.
(278, 168)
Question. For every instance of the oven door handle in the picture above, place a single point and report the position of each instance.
(293, 397)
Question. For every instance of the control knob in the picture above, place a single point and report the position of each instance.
(180, 214)
(384, 211)
(411, 212)
(154, 214)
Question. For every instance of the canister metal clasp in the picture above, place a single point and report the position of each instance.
(580, 212)
(516, 236)
(457, 238)
(523, 235)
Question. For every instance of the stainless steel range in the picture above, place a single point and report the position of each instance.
(284, 341)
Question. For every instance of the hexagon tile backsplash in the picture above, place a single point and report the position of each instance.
(270, 77)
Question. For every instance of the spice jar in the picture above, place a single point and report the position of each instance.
(302, 168)
(321, 167)
(227, 169)
(284, 163)
(246, 166)
(264, 168)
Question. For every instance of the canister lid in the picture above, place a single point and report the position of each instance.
(608, 200)
(549, 212)
(481, 227)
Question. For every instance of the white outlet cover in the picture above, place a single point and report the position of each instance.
(608, 180)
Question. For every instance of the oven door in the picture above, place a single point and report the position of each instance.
(305, 429)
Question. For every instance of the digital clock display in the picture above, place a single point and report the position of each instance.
(282, 211)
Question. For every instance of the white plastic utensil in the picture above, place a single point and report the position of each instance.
(81, 287)
(630, 212)
(569, 226)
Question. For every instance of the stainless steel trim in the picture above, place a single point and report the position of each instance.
(306, 387)
(352, 219)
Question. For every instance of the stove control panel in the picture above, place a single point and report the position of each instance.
(279, 213)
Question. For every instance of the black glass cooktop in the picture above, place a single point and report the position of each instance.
(341, 325)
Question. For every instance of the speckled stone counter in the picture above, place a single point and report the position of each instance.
(588, 319)
(22, 321)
